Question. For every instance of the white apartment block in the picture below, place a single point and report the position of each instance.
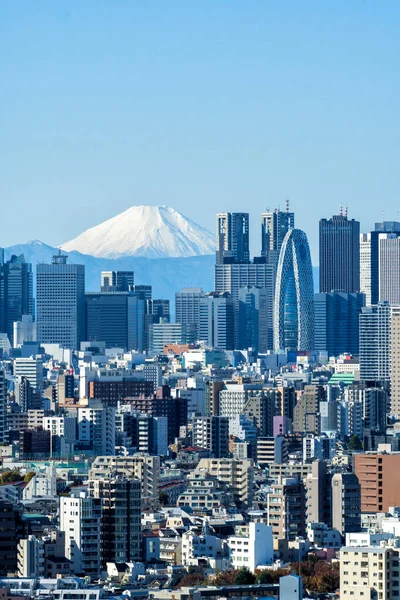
(253, 548)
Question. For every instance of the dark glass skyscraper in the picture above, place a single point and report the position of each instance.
(16, 292)
(274, 226)
(339, 255)
(232, 238)
(337, 322)
(294, 295)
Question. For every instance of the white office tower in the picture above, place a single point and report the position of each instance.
(375, 348)
(60, 298)
(80, 520)
(32, 369)
(24, 331)
(395, 363)
(365, 266)
(96, 427)
(3, 407)
(389, 268)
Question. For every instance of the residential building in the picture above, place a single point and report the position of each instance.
(346, 503)
(120, 522)
(95, 427)
(379, 477)
(286, 508)
(237, 475)
(212, 433)
(80, 520)
(375, 342)
(252, 548)
(9, 525)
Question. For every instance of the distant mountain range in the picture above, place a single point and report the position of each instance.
(166, 275)
(163, 248)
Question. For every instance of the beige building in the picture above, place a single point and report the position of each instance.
(379, 477)
(306, 411)
(237, 475)
(395, 362)
(371, 573)
(140, 466)
(289, 470)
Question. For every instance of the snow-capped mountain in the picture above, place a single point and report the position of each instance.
(147, 231)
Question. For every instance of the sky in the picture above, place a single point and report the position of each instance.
(205, 106)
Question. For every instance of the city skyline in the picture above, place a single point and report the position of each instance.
(173, 109)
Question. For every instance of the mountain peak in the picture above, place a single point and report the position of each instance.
(147, 231)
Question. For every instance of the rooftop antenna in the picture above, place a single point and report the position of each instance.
(287, 204)
(346, 211)
(341, 211)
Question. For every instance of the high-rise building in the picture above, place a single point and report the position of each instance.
(142, 467)
(237, 475)
(379, 477)
(60, 293)
(389, 267)
(365, 266)
(217, 320)
(294, 295)
(375, 342)
(120, 522)
(212, 433)
(286, 508)
(116, 318)
(80, 520)
(96, 427)
(372, 279)
(346, 503)
(9, 519)
(187, 312)
(3, 407)
(117, 281)
(337, 322)
(395, 361)
(24, 331)
(274, 226)
(339, 255)
(232, 238)
(255, 319)
(16, 292)
(160, 310)
(163, 334)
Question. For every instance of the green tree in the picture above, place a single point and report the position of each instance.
(354, 443)
(30, 475)
(10, 476)
(244, 577)
(163, 498)
(265, 576)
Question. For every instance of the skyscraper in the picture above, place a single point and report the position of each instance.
(217, 320)
(381, 230)
(389, 268)
(274, 226)
(365, 266)
(187, 312)
(60, 292)
(16, 293)
(337, 322)
(232, 238)
(117, 281)
(375, 342)
(255, 322)
(339, 255)
(294, 295)
(116, 318)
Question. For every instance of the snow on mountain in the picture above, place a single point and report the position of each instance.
(147, 231)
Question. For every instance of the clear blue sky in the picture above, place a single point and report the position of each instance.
(204, 105)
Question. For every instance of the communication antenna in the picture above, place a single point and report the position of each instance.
(346, 211)
(287, 204)
(341, 211)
